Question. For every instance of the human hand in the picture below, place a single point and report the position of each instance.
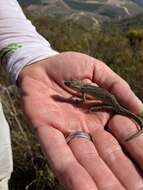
(82, 164)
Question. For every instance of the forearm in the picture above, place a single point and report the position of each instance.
(15, 28)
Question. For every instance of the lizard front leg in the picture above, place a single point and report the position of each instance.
(81, 100)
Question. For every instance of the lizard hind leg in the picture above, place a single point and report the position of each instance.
(110, 108)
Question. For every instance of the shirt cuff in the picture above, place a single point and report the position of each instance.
(26, 56)
(20, 43)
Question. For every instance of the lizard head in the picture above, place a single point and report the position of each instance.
(73, 84)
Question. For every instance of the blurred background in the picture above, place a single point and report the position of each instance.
(110, 30)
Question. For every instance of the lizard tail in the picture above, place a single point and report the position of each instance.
(137, 119)
(124, 112)
(134, 135)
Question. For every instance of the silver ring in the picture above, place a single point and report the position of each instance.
(78, 134)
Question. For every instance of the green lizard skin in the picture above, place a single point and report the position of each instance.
(98, 92)
(105, 96)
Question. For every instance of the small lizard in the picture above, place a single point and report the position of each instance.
(110, 101)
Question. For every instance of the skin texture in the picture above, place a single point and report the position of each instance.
(106, 163)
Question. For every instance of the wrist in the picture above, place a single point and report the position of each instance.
(29, 71)
(35, 70)
(23, 73)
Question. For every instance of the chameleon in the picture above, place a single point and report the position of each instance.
(110, 102)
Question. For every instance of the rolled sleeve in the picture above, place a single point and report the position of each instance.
(20, 43)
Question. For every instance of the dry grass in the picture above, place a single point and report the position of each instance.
(31, 170)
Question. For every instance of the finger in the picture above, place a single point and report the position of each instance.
(86, 154)
(69, 172)
(112, 154)
(123, 128)
(108, 79)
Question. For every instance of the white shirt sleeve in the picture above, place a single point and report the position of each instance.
(20, 43)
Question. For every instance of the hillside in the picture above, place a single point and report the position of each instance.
(139, 2)
(101, 10)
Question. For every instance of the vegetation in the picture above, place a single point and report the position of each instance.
(120, 45)
(83, 6)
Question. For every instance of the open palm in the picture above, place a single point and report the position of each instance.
(48, 105)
